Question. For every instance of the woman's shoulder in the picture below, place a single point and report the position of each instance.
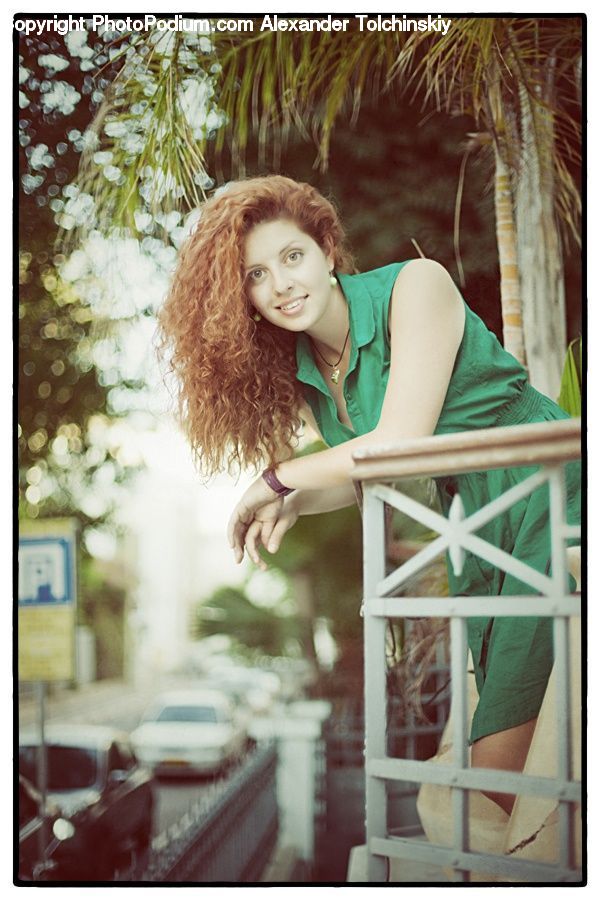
(386, 275)
(378, 281)
(415, 277)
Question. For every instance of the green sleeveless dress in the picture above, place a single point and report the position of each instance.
(488, 388)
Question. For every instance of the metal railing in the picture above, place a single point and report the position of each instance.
(548, 446)
(231, 840)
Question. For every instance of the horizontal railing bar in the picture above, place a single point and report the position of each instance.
(426, 772)
(450, 463)
(479, 438)
(407, 848)
(465, 607)
(468, 451)
(570, 531)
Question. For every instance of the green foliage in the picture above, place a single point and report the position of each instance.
(101, 608)
(60, 391)
(268, 84)
(327, 548)
(229, 611)
(571, 383)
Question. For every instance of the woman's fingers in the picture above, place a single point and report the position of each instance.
(238, 546)
(238, 539)
(266, 531)
(252, 536)
(240, 520)
(258, 495)
(246, 530)
(235, 520)
(277, 534)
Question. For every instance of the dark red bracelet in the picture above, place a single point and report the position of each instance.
(274, 483)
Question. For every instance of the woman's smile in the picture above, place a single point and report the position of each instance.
(293, 307)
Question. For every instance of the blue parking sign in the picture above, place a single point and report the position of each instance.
(46, 571)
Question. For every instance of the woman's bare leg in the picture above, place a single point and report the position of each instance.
(504, 750)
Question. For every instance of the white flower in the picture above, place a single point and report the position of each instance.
(53, 62)
(76, 42)
(133, 143)
(112, 173)
(31, 182)
(170, 220)
(89, 140)
(164, 41)
(81, 208)
(143, 220)
(194, 97)
(40, 157)
(116, 129)
(102, 158)
(61, 96)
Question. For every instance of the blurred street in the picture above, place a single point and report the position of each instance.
(116, 703)
(106, 702)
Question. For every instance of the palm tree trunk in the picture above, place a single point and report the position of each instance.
(510, 295)
(538, 246)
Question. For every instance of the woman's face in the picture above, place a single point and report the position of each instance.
(286, 275)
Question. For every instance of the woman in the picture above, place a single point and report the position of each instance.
(267, 327)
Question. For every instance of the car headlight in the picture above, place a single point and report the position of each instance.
(63, 829)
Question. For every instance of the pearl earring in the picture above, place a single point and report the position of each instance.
(257, 317)
(332, 279)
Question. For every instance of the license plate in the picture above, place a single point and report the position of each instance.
(174, 762)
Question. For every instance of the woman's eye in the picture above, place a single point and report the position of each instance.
(294, 255)
(255, 275)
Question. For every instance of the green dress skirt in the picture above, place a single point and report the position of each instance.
(512, 656)
(488, 388)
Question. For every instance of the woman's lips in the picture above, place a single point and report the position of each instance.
(293, 307)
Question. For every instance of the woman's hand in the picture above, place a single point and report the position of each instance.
(258, 495)
(269, 526)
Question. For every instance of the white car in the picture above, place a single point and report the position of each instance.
(189, 732)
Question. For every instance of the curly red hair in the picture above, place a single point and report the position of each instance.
(238, 397)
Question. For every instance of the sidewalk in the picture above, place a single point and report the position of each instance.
(97, 703)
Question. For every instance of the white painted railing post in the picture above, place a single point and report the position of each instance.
(549, 446)
(375, 688)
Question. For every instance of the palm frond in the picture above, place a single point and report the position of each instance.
(265, 83)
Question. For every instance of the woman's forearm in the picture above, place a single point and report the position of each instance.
(323, 471)
(328, 500)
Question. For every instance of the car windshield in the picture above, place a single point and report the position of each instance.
(187, 714)
(69, 768)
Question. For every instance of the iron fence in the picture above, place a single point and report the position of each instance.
(229, 840)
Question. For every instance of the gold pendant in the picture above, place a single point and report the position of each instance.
(335, 376)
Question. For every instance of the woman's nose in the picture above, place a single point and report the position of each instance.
(281, 282)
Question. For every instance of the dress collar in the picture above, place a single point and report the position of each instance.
(362, 329)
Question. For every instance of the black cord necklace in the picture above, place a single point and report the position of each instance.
(335, 375)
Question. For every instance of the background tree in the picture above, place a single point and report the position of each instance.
(230, 611)
(515, 78)
(64, 392)
(518, 78)
(69, 457)
(64, 413)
